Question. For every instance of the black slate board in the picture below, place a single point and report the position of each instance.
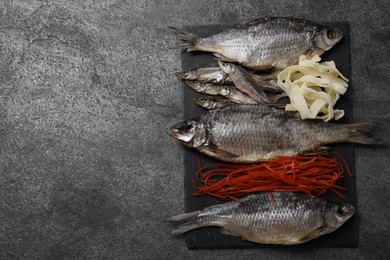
(210, 237)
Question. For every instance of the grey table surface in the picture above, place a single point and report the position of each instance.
(87, 93)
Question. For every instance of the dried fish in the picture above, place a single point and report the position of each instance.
(285, 218)
(266, 43)
(253, 133)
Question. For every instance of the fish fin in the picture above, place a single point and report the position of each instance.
(359, 133)
(185, 222)
(266, 84)
(319, 150)
(272, 75)
(267, 67)
(276, 98)
(228, 233)
(260, 97)
(189, 39)
(185, 217)
(181, 229)
(221, 152)
(278, 106)
(231, 103)
(223, 58)
(316, 233)
(248, 24)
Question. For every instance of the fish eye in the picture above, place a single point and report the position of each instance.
(331, 34)
(340, 211)
(189, 127)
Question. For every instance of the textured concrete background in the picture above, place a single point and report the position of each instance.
(87, 92)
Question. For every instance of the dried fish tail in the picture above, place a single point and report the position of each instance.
(189, 39)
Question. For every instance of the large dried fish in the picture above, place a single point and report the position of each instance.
(292, 218)
(266, 43)
(253, 133)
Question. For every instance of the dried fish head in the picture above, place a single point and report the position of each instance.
(212, 102)
(202, 87)
(191, 133)
(327, 38)
(226, 67)
(205, 103)
(337, 214)
(197, 85)
(187, 75)
(222, 90)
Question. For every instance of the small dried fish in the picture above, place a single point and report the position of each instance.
(244, 82)
(202, 87)
(212, 73)
(234, 94)
(213, 102)
(207, 73)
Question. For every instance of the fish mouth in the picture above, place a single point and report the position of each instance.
(340, 34)
(180, 74)
(338, 38)
(348, 210)
(190, 83)
(173, 132)
(197, 101)
(222, 64)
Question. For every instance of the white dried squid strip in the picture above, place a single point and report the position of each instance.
(313, 88)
